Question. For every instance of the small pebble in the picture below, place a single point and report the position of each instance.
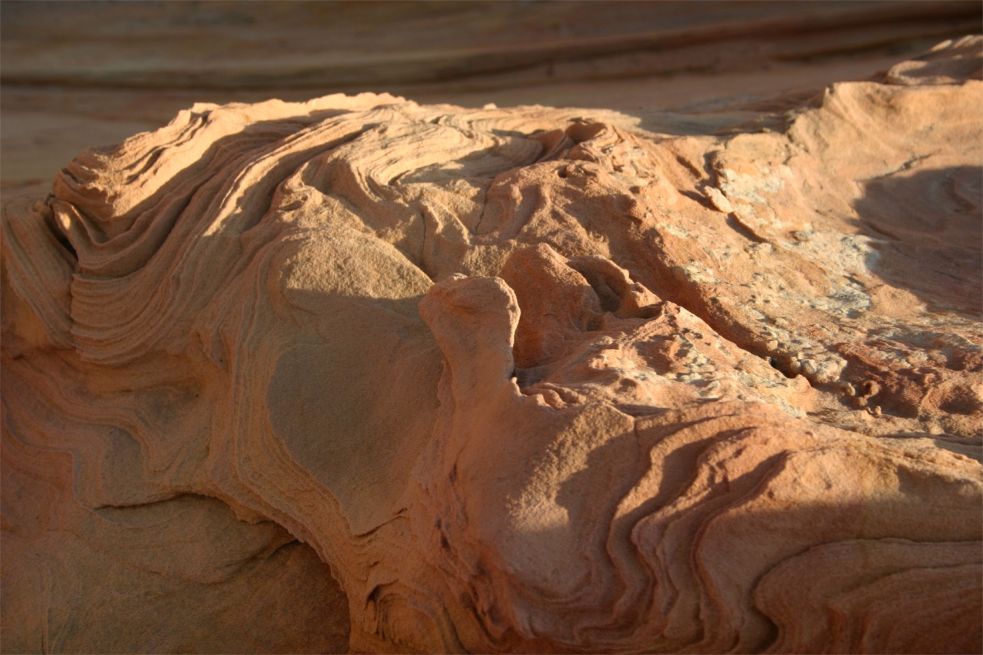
(718, 200)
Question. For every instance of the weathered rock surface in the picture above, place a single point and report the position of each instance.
(105, 71)
(531, 379)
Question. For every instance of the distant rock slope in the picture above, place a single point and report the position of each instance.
(532, 379)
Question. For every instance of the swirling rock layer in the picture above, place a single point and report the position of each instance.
(524, 380)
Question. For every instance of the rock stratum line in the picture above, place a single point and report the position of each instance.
(524, 379)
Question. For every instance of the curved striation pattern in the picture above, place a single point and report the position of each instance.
(525, 380)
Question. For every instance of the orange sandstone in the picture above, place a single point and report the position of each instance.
(525, 379)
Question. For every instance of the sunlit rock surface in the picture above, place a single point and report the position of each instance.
(525, 379)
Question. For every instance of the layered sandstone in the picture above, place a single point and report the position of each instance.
(525, 379)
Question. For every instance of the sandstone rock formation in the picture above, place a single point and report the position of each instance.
(532, 379)
(105, 71)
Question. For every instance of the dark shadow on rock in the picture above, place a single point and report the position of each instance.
(709, 122)
(928, 229)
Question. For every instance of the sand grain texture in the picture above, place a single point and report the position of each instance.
(523, 379)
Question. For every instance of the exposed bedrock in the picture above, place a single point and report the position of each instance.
(524, 379)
